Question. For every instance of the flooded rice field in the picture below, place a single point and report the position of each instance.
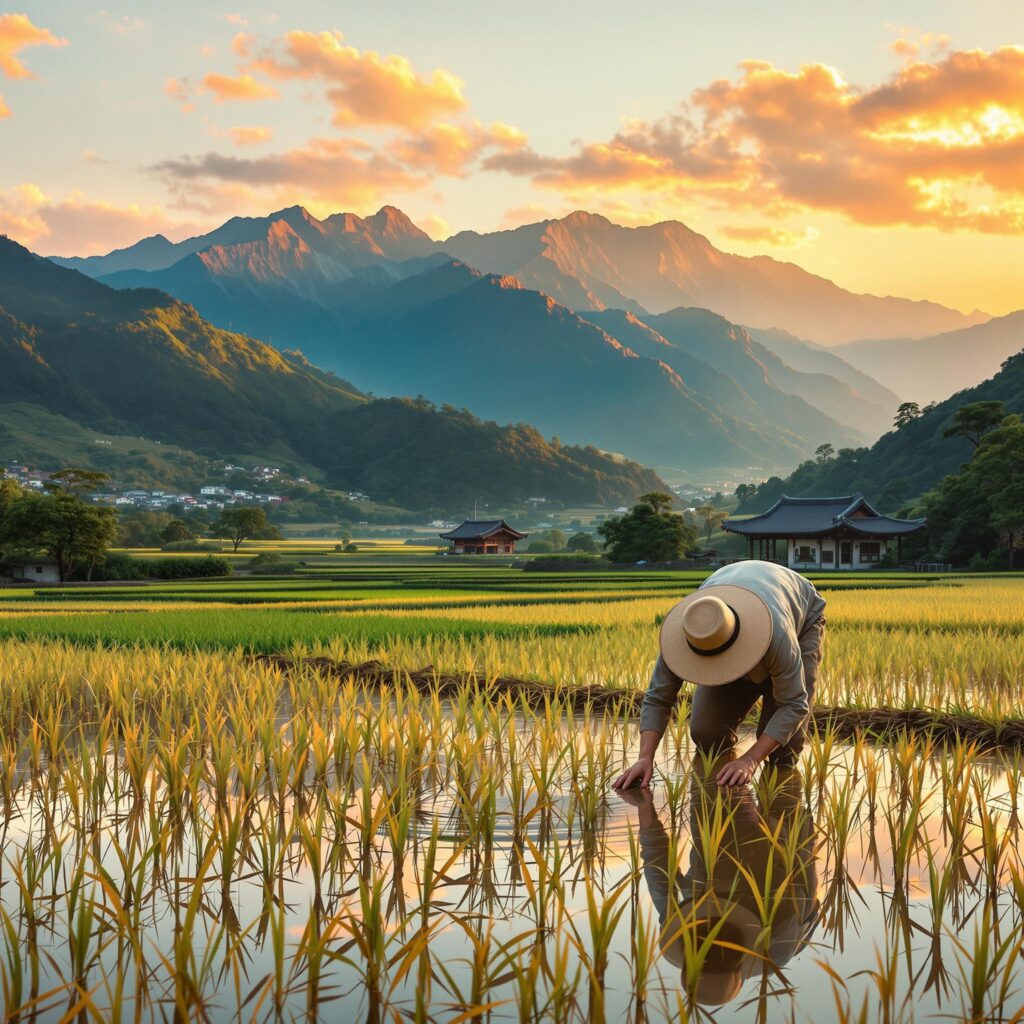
(373, 857)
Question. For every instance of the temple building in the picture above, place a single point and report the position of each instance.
(824, 533)
(483, 537)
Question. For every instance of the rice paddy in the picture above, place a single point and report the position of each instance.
(193, 832)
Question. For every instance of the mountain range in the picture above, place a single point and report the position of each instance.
(928, 369)
(376, 301)
(75, 352)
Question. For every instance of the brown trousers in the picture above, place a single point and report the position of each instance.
(717, 712)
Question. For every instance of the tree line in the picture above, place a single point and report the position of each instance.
(58, 524)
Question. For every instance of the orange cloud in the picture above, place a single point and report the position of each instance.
(243, 88)
(178, 91)
(78, 226)
(940, 143)
(241, 44)
(16, 33)
(449, 148)
(249, 135)
(364, 87)
(764, 235)
(341, 170)
(5, 111)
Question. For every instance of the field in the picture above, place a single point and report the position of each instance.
(388, 822)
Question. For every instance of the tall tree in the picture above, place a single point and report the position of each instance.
(68, 530)
(975, 420)
(710, 519)
(824, 452)
(239, 524)
(906, 412)
(76, 481)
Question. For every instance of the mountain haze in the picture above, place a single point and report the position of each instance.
(928, 369)
(590, 263)
(137, 362)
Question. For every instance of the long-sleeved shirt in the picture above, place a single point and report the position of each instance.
(794, 604)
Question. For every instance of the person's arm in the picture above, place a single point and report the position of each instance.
(786, 667)
(655, 713)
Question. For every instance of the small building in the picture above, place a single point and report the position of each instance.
(37, 571)
(824, 533)
(483, 537)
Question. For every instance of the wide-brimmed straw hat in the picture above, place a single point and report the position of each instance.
(716, 634)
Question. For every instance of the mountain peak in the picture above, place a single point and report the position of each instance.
(390, 221)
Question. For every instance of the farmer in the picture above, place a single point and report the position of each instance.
(725, 896)
(752, 631)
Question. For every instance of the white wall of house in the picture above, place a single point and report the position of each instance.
(829, 553)
(37, 572)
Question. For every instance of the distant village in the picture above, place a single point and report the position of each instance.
(210, 497)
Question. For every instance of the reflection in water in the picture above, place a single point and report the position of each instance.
(749, 896)
(412, 857)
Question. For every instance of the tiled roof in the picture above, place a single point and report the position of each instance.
(473, 528)
(804, 517)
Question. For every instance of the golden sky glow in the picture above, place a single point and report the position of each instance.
(901, 173)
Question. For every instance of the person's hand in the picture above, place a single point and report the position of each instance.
(736, 773)
(642, 770)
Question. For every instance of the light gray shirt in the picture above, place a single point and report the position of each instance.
(794, 605)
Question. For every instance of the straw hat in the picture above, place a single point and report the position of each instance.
(716, 634)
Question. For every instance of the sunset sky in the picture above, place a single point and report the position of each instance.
(878, 144)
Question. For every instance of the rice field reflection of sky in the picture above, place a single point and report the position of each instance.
(843, 855)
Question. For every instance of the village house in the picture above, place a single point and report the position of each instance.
(483, 537)
(37, 571)
(824, 533)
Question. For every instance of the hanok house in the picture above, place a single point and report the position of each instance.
(483, 537)
(824, 533)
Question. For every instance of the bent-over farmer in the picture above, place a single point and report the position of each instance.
(752, 631)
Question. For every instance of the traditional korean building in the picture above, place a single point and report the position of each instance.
(483, 537)
(824, 533)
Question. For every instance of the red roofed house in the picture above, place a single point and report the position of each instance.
(483, 537)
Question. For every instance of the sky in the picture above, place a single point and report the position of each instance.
(878, 144)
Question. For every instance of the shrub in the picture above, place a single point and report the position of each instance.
(126, 567)
(193, 545)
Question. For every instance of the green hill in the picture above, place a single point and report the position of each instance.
(137, 363)
(903, 463)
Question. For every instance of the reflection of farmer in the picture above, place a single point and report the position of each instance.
(755, 841)
(752, 631)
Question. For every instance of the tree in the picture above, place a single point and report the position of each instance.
(980, 510)
(906, 413)
(239, 524)
(68, 530)
(175, 531)
(584, 543)
(718, 500)
(973, 421)
(710, 519)
(824, 452)
(75, 481)
(542, 547)
(744, 491)
(649, 532)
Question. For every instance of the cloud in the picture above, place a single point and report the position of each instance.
(5, 111)
(16, 33)
(363, 87)
(241, 44)
(450, 148)
(330, 169)
(228, 88)
(75, 225)
(777, 237)
(940, 143)
(250, 135)
(177, 89)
